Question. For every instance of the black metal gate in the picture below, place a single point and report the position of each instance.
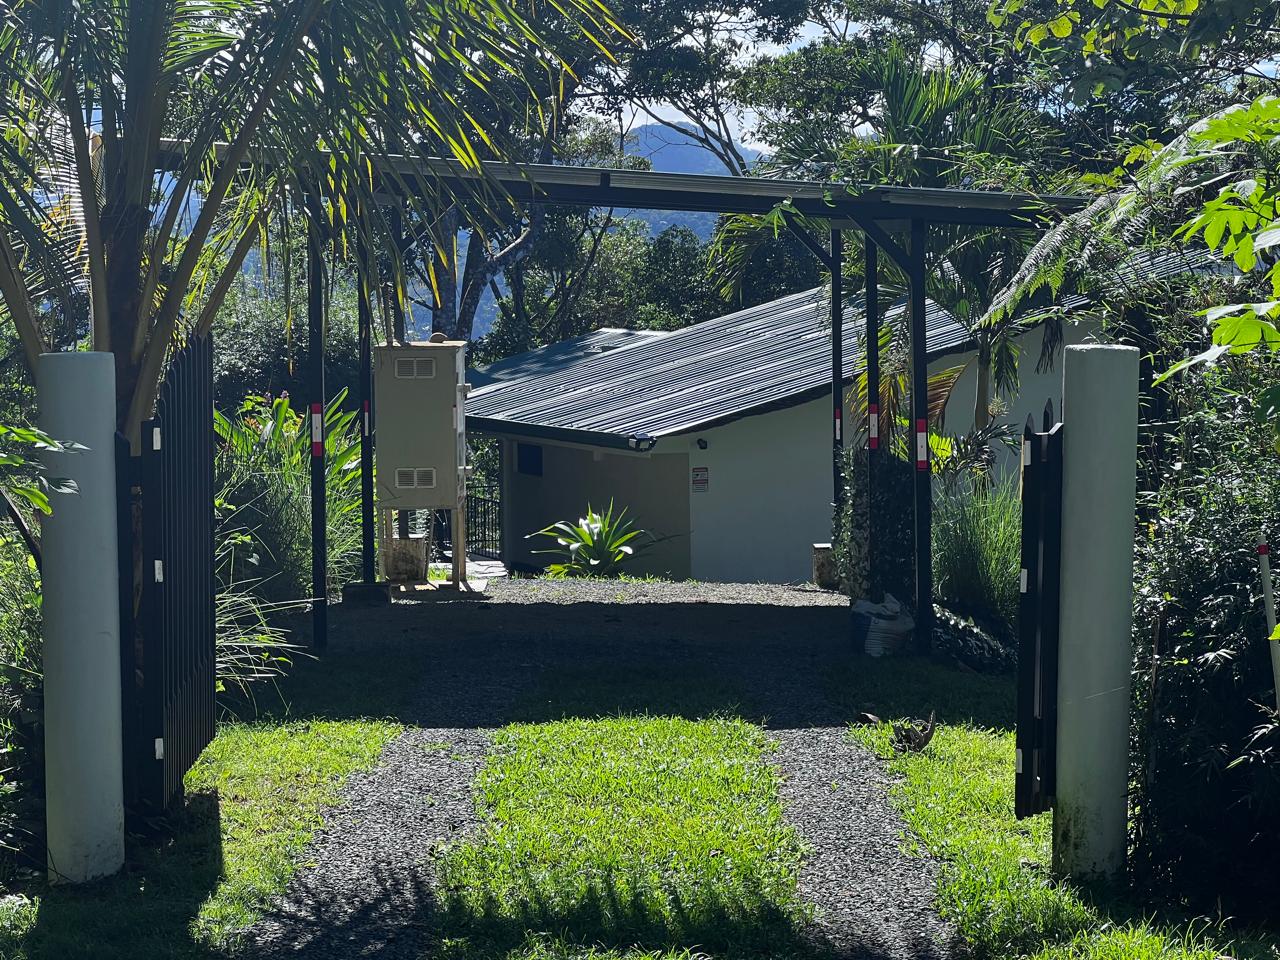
(173, 644)
(484, 525)
(1035, 782)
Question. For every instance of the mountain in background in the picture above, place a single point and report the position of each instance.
(671, 151)
(668, 151)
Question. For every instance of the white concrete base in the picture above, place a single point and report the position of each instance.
(1100, 439)
(81, 584)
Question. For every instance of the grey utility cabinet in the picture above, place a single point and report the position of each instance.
(419, 416)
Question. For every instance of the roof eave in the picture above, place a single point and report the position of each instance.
(538, 431)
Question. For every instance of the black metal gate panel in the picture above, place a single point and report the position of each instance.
(484, 525)
(177, 621)
(1037, 732)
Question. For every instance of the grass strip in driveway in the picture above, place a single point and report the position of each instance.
(957, 798)
(254, 800)
(655, 834)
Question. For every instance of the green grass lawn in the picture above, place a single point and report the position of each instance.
(957, 798)
(255, 797)
(658, 833)
(607, 833)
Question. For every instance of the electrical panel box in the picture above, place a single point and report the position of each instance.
(419, 394)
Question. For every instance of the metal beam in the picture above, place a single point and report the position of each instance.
(315, 422)
(671, 191)
(400, 332)
(837, 369)
(368, 567)
(403, 176)
(920, 441)
(871, 306)
(821, 254)
(876, 234)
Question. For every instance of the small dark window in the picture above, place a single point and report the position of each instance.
(529, 459)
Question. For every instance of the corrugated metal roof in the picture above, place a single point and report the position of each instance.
(557, 356)
(1149, 265)
(712, 372)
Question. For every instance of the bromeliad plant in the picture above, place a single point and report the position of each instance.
(596, 546)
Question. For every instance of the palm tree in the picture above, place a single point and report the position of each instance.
(280, 106)
(1146, 207)
(931, 126)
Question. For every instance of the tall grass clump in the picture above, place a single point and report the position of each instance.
(264, 465)
(977, 544)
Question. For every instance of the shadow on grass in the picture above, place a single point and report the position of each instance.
(147, 909)
(408, 919)
(466, 663)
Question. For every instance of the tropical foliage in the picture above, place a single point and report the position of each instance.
(264, 463)
(1206, 732)
(977, 553)
(145, 148)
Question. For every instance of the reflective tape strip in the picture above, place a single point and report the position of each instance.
(839, 424)
(367, 424)
(1022, 580)
(1026, 453)
(873, 426)
(317, 430)
(1264, 549)
(922, 445)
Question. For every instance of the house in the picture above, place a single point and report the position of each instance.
(716, 437)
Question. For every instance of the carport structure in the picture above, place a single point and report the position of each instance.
(894, 220)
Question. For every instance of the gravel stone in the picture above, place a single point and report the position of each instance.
(662, 591)
(529, 650)
(871, 899)
(365, 888)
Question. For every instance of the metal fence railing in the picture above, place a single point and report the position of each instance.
(171, 647)
(484, 525)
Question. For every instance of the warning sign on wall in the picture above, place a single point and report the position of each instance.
(701, 479)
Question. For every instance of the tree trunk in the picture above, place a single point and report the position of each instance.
(982, 393)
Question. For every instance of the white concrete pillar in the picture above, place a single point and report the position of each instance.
(82, 723)
(1100, 439)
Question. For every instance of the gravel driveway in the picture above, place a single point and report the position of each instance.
(538, 650)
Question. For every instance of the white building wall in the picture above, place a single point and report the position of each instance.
(1034, 387)
(767, 498)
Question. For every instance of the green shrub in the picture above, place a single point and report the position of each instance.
(1205, 759)
(596, 546)
(1206, 763)
(21, 740)
(251, 648)
(262, 341)
(977, 545)
(264, 468)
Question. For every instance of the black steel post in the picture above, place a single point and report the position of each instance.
(367, 566)
(871, 303)
(399, 330)
(920, 442)
(315, 361)
(837, 368)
